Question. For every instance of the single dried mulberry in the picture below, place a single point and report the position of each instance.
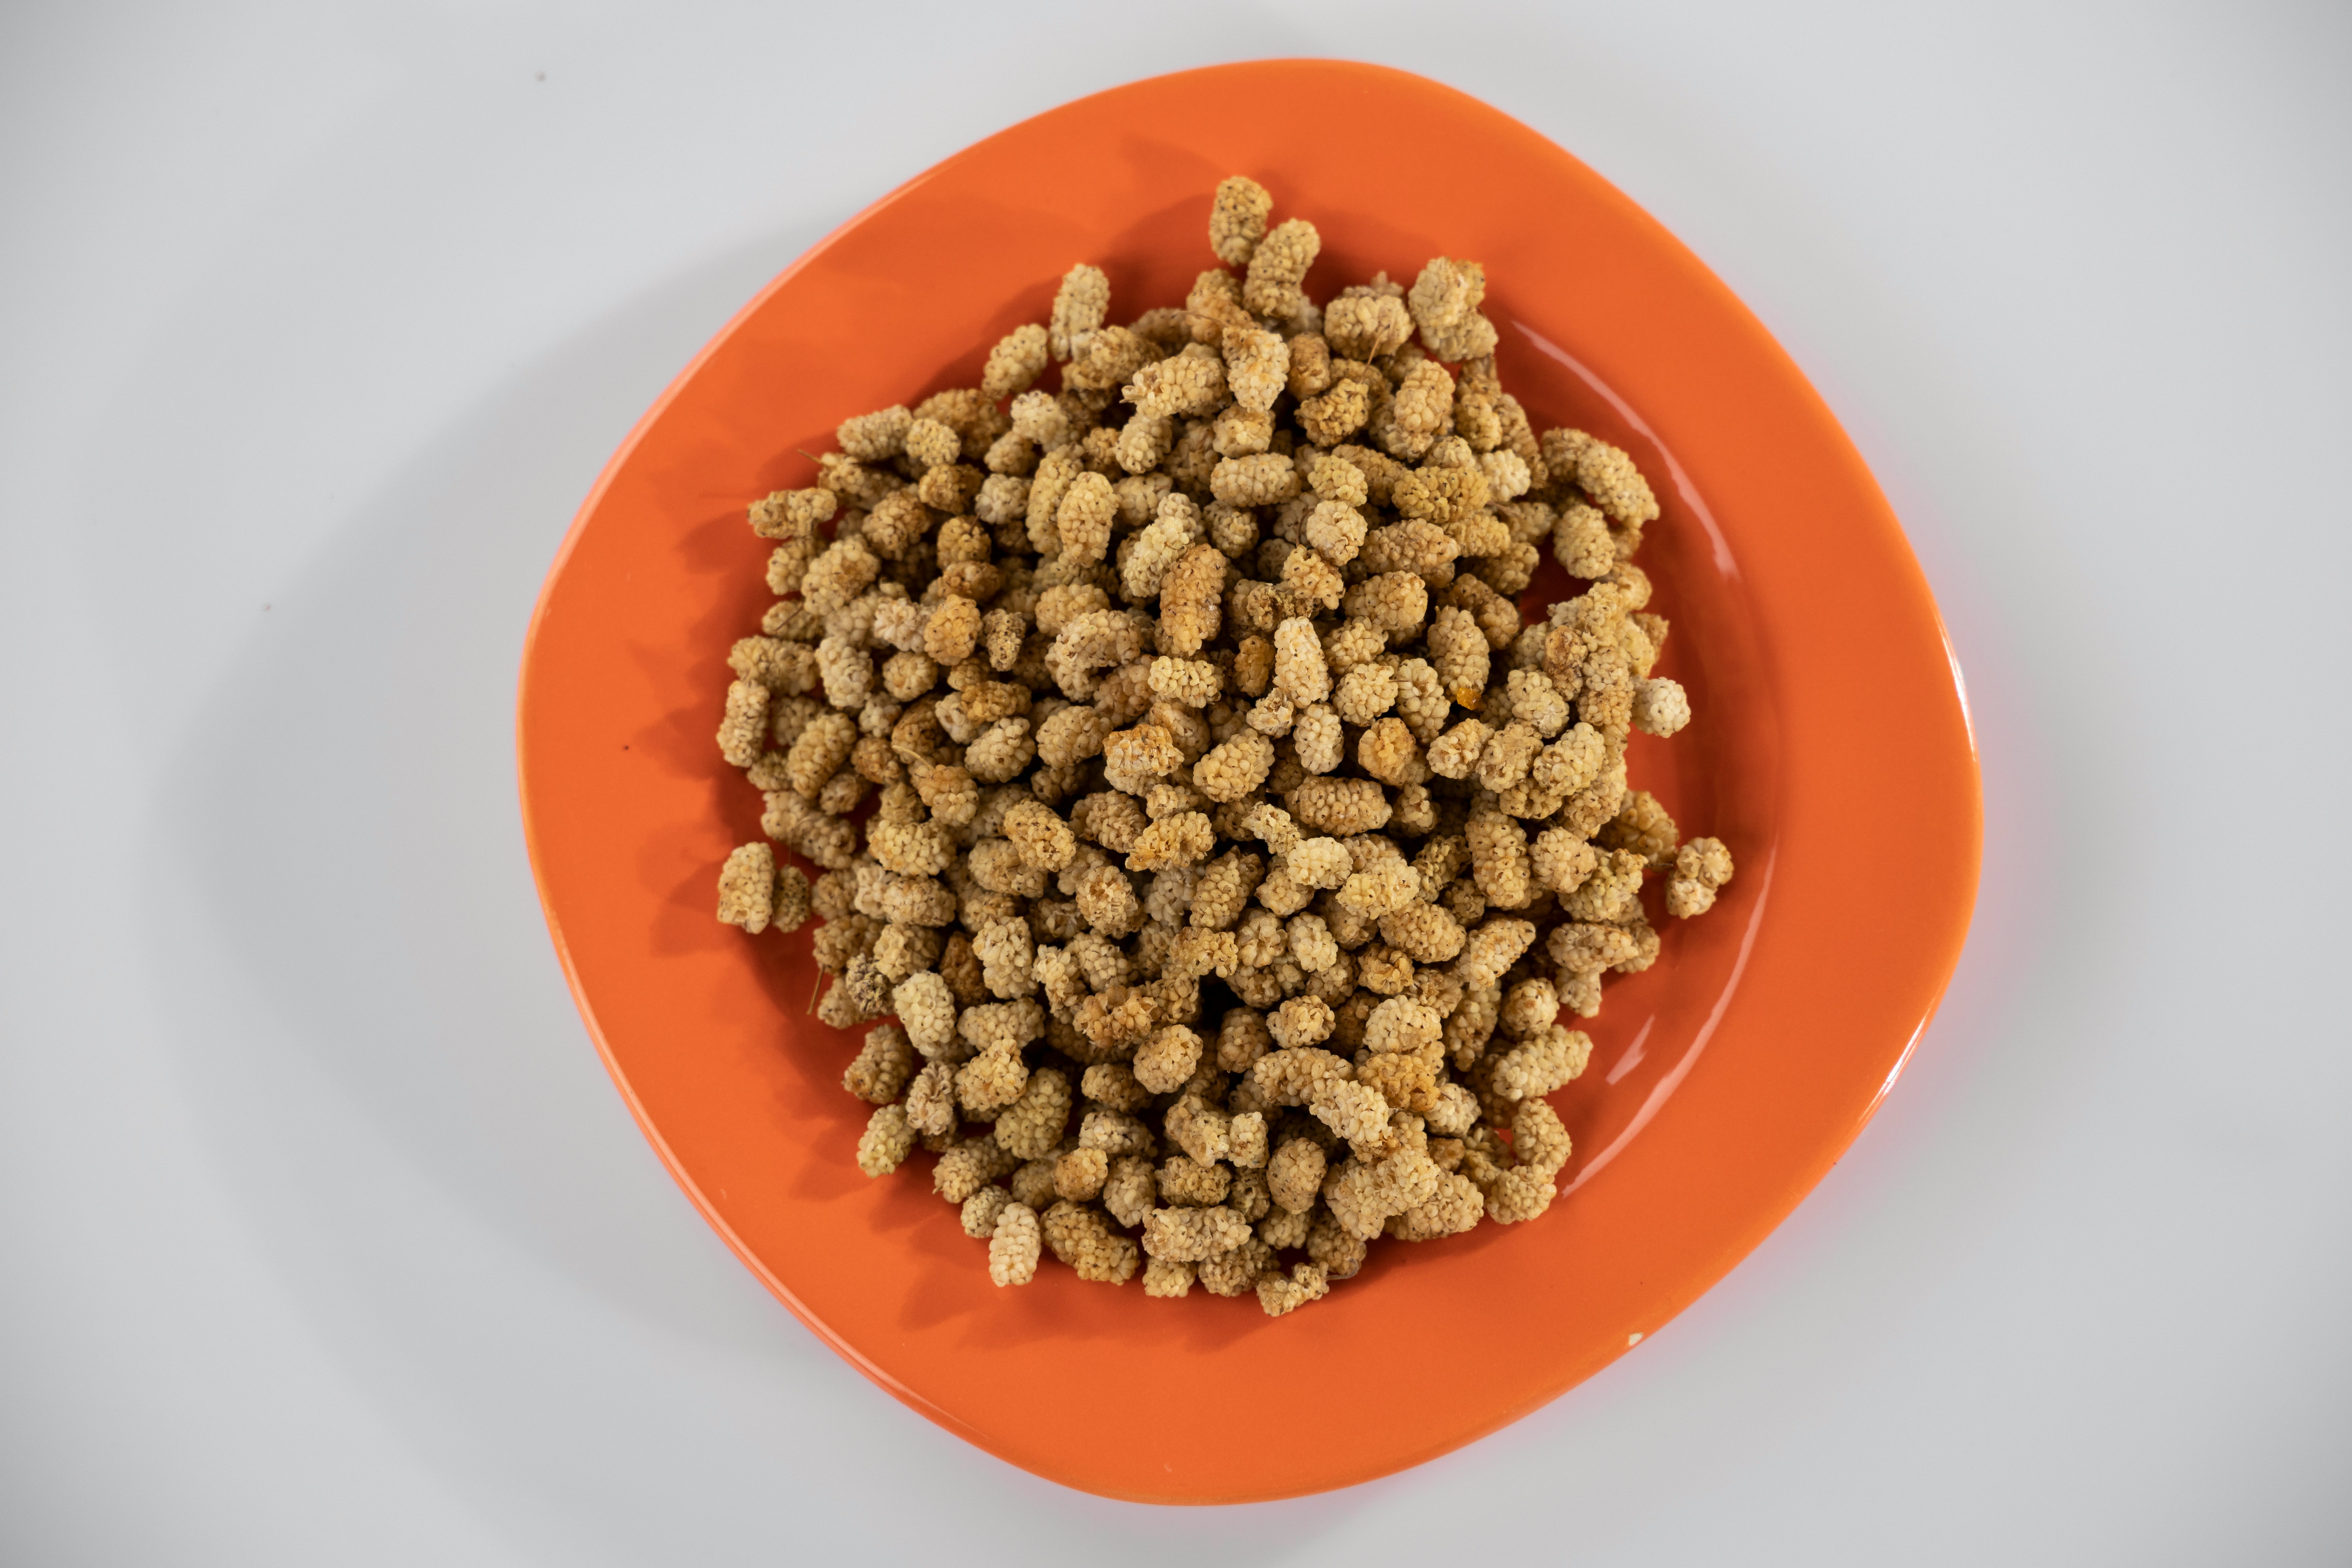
(1263, 481)
(889, 1139)
(1079, 306)
(1660, 707)
(1277, 266)
(1014, 1246)
(1701, 866)
(1237, 219)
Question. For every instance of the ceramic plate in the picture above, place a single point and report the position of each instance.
(1831, 752)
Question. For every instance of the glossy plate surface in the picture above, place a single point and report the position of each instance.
(1831, 751)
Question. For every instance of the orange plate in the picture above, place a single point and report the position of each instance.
(1831, 751)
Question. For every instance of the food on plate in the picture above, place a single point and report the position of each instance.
(1235, 845)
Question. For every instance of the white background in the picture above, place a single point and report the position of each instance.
(323, 1238)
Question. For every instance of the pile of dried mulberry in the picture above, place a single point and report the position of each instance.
(1237, 846)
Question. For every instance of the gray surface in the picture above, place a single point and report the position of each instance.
(325, 1239)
